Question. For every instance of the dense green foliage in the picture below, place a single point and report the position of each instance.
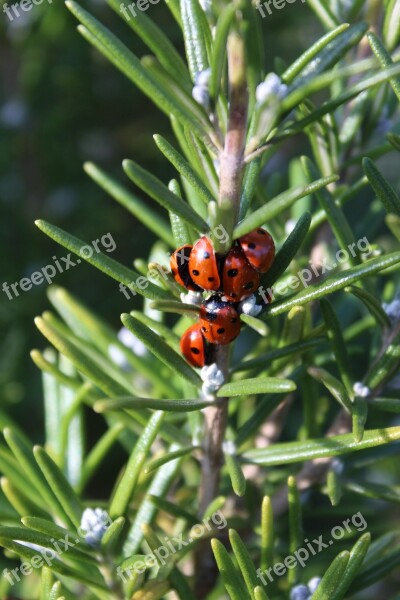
(305, 426)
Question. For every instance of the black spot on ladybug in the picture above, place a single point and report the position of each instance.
(252, 245)
(221, 330)
(249, 285)
(195, 272)
(194, 350)
(211, 279)
(234, 320)
(204, 329)
(232, 272)
(206, 255)
(211, 316)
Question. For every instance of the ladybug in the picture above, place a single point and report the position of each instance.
(203, 266)
(259, 249)
(179, 264)
(239, 279)
(219, 321)
(195, 348)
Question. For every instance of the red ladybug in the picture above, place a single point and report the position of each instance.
(239, 279)
(259, 249)
(179, 264)
(219, 321)
(203, 267)
(194, 347)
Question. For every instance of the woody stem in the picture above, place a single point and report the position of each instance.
(230, 189)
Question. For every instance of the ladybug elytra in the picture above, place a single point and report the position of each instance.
(219, 321)
(179, 264)
(203, 267)
(239, 279)
(259, 249)
(194, 347)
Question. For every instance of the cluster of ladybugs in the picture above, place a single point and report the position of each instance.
(231, 278)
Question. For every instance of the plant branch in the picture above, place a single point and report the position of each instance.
(232, 157)
(230, 191)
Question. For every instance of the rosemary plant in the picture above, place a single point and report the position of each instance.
(272, 473)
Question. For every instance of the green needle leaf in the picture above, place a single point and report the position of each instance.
(126, 487)
(150, 218)
(236, 475)
(332, 578)
(21, 501)
(295, 524)
(372, 304)
(127, 402)
(384, 57)
(159, 487)
(59, 567)
(382, 187)
(60, 486)
(338, 344)
(267, 385)
(179, 228)
(335, 215)
(393, 222)
(244, 561)
(334, 283)
(312, 53)
(330, 53)
(161, 194)
(264, 360)
(156, 463)
(357, 555)
(278, 204)
(23, 454)
(394, 139)
(324, 14)
(391, 26)
(111, 539)
(155, 39)
(161, 350)
(184, 168)
(196, 33)
(288, 251)
(82, 362)
(267, 533)
(232, 581)
(136, 283)
(49, 530)
(219, 49)
(256, 324)
(331, 105)
(259, 594)
(176, 307)
(292, 452)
